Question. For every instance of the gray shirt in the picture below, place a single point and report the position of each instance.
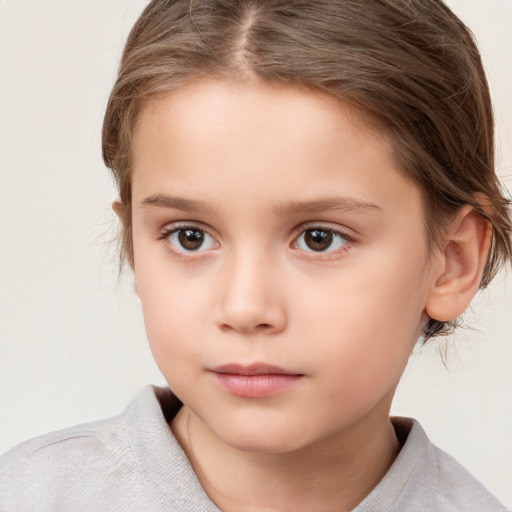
(133, 463)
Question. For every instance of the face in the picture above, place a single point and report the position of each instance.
(280, 258)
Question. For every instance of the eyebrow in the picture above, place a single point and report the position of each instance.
(344, 204)
(177, 203)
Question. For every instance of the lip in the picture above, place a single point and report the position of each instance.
(258, 380)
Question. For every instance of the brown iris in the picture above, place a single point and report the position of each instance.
(191, 239)
(318, 239)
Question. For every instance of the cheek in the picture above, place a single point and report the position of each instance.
(368, 321)
(376, 293)
(174, 309)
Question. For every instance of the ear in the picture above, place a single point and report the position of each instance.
(460, 265)
(118, 208)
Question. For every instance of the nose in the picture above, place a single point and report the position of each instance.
(251, 298)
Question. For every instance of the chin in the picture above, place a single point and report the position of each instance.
(261, 438)
(256, 444)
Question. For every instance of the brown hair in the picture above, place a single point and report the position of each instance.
(411, 65)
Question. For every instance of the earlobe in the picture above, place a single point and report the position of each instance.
(460, 266)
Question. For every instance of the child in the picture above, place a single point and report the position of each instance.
(306, 188)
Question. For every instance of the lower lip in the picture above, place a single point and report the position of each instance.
(256, 386)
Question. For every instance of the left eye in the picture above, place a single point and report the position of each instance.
(321, 240)
(191, 240)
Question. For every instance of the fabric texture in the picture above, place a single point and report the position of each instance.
(133, 463)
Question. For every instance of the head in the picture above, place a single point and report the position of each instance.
(307, 185)
(410, 69)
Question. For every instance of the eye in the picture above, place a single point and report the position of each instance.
(321, 240)
(190, 239)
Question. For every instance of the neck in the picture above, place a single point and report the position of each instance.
(333, 474)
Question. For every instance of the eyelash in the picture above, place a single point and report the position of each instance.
(349, 240)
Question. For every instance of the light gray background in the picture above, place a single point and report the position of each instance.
(72, 342)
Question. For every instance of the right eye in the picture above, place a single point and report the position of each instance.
(190, 239)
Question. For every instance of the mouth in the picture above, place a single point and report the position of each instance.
(252, 369)
(259, 380)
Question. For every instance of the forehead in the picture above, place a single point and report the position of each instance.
(278, 141)
(214, 107)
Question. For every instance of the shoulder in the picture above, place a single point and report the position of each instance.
(93, 437)
(57, 464)
(88, 444)
(127, 463)
(78, 468)
(424, 477)
(457, 488)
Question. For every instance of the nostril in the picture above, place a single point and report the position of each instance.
(256, 328)
(226, 327)
(263, 327)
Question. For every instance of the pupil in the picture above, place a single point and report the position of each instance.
(317, 239)
(191, 239)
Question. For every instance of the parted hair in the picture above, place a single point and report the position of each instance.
(410, 67)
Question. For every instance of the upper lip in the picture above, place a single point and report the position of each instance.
(252, 369)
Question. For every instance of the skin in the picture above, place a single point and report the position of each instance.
(254, 166)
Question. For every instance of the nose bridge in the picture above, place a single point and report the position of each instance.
(249, 298)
